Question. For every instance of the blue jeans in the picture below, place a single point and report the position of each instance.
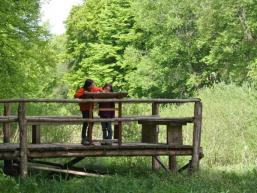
(107, 130)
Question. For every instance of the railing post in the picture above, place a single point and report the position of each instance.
(36, 134)
(197, 135)
(120, 124)
(23, 140)
(155, 111)
(8, 164)
(7, 126)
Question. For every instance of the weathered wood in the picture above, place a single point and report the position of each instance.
(8, 164)
(36, 134)
(66, 171)
(160, 162)
(174, 137)
(90, 124)
(7, 126)
(23, 140)
(8, 119)
(78, 150)
(120, 124)
(197, 136)
(116, 131)
(72, 162)
(100, 100)
(106, 109)
(155, 112)
(105, 95)
(39, 119)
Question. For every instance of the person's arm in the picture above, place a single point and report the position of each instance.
(96, 89)
(79, 93)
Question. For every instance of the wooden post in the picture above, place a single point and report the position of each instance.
(116, 131)
(174, 137)
(7, 126)
(8, 164)
(23, 140)
(197, 135)
(155, 111)
(120, 124)
(36, 134)
(90, 125)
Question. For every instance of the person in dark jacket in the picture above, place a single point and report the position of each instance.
(107, 110)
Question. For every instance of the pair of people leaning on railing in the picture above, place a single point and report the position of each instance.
(85, 110)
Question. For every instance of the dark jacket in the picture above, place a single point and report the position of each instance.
(107, 114)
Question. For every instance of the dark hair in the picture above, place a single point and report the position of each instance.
(87, 84)
(108, 85)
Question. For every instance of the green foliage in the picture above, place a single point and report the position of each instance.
(96, 43)
(163, 48)
(26, 58)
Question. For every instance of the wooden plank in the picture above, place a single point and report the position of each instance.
(66, 171)
(197, 136)
(105, 95)
(23, 140)
(108, 153)
(39, 119)
(160, 162)
(44, 100)
(174, 137)
(36, 134)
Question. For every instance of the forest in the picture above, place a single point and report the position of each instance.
(150, 49)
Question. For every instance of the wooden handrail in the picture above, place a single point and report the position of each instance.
(63, 119)
(192, 100)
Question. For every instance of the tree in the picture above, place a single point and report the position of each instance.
(25, 58)
(97, 35)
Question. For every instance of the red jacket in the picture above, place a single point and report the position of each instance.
(80, 93)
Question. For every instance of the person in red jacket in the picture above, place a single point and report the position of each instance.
(85, 107)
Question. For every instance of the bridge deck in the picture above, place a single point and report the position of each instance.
(77, 150)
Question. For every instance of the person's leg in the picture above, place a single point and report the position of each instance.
(104, 129)
(109, 129)
(85, 115)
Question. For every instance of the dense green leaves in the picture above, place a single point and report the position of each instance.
(98, 34)
(26, 59)
(163, 48)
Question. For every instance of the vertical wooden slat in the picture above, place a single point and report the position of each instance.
(155, 111)
(90, 124)
(174, 137)
(116, 131)
(23, 140)
(120, 123)
(197, 135)
(36, 134)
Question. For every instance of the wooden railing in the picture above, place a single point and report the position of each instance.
(23, 121)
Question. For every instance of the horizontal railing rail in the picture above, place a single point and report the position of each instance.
(192, 100)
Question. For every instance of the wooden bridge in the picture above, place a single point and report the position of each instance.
(17, 156)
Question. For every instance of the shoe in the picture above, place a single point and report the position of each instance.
(103, 142)
(85, 142)
(108, 142)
